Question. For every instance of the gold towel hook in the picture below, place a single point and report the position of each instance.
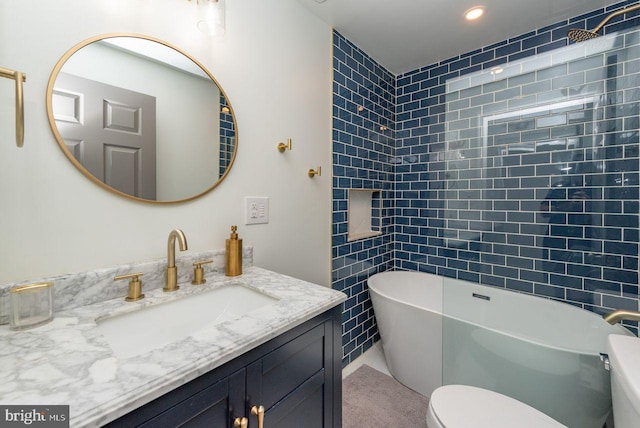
(282, 146)
(19, 77)
(312, 173)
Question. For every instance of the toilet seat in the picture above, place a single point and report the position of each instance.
(462, 406)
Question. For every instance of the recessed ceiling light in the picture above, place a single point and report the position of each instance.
(474, 13)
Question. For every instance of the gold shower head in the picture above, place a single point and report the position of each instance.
(579, 35)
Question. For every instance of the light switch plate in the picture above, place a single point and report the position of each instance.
(256, 210)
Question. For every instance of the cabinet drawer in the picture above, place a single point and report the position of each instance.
(214, 406)
(281, 371)
(207, 407)
(302, 408)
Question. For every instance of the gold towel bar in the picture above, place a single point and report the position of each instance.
(19, 77)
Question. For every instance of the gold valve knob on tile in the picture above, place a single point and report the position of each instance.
(282, 146)
(241, 422)
(135, 286)
(259, 412)
(313, 173)
(198, 272)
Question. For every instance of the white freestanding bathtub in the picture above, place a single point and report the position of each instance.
(437, 330)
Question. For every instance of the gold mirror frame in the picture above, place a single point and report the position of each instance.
(50, 115)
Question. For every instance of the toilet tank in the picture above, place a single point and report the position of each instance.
(624, 358)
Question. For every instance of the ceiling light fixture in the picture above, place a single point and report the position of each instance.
(474, 13)
(211, 19)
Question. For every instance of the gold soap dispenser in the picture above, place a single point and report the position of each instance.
(233, 254)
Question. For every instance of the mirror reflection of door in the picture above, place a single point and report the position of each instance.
(111, 131)
(195, 129)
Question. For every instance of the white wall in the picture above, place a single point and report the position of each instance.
(274, 63)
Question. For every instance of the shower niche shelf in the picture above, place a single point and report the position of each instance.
(364, 214)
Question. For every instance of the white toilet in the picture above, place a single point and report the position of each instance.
(462, 406)
(624, 357)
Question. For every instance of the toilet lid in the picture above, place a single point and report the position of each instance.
(462, 406)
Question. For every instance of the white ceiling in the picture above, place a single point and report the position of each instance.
(403, 35)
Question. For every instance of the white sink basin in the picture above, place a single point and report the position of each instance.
(154, 327)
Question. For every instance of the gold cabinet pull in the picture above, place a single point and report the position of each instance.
(241, 422)
(282, 146)
(198, 272)
(135, 286)
(313, 173)
(259, 412)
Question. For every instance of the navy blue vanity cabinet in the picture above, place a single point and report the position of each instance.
(296, 377)
(290, 382)
(214, 406)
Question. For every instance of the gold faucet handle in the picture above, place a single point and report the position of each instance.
(198, 272)
(135, 286)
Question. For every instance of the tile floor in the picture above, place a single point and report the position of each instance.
(374, 358)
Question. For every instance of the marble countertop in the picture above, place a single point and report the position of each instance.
(68, 361)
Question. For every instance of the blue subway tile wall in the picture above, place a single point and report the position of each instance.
(363, 140)
(510, 214)
(531, 176)
(227, 136)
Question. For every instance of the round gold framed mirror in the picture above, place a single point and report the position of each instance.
(141, 118)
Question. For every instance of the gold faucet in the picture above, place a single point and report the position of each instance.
(171, 283)
(622, 314)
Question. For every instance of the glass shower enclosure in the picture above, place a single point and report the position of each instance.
(540, 196)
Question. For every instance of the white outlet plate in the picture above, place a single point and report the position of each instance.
(256, 210)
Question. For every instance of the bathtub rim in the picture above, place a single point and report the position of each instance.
(441, 280)
(404, 302)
